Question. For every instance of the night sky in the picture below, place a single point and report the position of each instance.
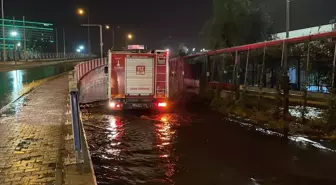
(154, 22)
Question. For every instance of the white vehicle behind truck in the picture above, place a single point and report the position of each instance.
(138, 80)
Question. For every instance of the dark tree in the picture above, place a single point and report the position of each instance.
(237, 22)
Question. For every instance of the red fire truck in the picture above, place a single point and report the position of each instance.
(138, 80)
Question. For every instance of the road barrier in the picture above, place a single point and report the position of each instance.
(92, 80)
(77, 127)
(84, 82)
(84, 68)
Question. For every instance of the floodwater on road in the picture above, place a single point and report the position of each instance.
(13, 82)
(198, 148)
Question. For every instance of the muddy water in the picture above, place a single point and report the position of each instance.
(199, 148)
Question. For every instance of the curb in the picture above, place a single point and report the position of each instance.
(87, 150)
(69, 166)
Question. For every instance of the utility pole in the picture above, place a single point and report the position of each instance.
(56, 41)
(285, 77)
(24, 39)
(15, 42)
(89, 36)
(3, 32)
(64, 49)
(101, 41)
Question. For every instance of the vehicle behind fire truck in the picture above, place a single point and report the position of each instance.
(138, 80)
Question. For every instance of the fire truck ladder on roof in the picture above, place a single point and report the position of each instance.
(161, 62)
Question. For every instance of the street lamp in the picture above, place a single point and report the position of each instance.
(81, 47)
(14, 33)
(113, 34)
(78, 50)
(81, 12)
(130, 36)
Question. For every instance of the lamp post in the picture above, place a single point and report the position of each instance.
(79, 49)
(24, 39)
(14, 34)
(81, 12)
(101, 35)
(113, 35)
(128, 37)
(3, 31)
(64, 49)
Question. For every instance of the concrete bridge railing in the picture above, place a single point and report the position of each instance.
(92, 80)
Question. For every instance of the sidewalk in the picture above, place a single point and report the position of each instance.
(32, 139)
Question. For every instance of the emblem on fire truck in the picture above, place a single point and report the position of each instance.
(140, 70)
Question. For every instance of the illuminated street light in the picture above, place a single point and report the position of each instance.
(194, 49)
(80, 11)
(19, 44)
(81, 47)
(78, 50)
(83, 12)
(107, 27)
(130, 36)
(14, 33)
(167, 49)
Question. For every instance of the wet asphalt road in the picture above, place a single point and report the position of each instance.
(198, 148)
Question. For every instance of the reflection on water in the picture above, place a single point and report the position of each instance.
(311, 112)
(17, 82)
(13, 82)
(301, 141)
(137, 153)
(164, 135)
(198, 149)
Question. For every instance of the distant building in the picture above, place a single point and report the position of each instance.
(39, 35)
(305, 31)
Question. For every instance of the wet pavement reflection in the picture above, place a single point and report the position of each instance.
(13, 82)
(199, 147)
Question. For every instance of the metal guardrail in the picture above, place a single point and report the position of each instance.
(35, 56)
(77, 127)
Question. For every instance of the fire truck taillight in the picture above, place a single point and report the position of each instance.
(162, 104)
(114, 105)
